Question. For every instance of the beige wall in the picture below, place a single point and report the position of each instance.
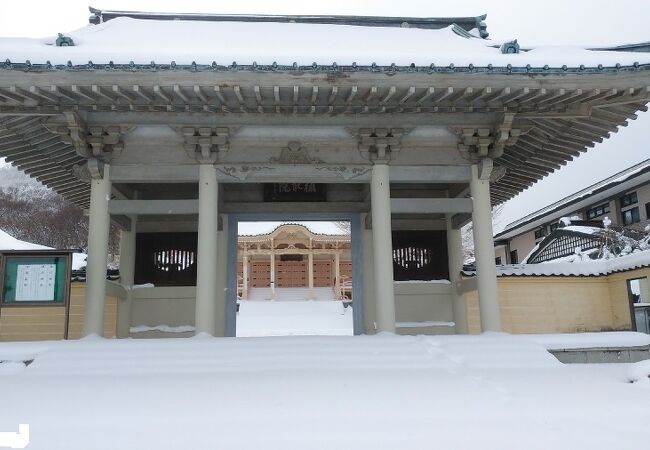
(500, 252)
(36, 323)
(173, 306)
(422, 302)
(528, 305)
(561, 304)
(524, 244)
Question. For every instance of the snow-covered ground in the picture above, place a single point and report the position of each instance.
(363, 392)
(286, 318)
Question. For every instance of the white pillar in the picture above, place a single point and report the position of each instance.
(455, 259)
(310, 272)
(98, 230)
(206, 274)
(127, 273)
(337, 274)
(272, 271)
(484, 253)
(244, 294)
(382, 247)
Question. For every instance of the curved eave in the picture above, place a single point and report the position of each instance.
(29, 146)
(561, 112)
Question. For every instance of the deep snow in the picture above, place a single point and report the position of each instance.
(366, 392)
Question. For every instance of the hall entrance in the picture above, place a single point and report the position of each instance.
(294, 278)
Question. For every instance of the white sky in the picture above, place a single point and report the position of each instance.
(557, 22)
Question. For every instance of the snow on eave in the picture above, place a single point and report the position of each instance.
(607, 187)
(574, 269)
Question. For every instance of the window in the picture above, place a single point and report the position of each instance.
(514, 259)
(638, 292)
(554, 226)
(420, 255)
(166, 259)
(599, 210)
(497, 260)
(630, 216)
(540, 232)
(647, 211)
(629, 199)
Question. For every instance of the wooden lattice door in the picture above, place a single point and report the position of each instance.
(322, 274)
(291, 274)
(260, 274)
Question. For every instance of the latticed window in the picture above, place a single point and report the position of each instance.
(166, 259)
(564, 244)
(420, 255)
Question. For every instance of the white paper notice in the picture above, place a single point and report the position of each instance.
(35, 282)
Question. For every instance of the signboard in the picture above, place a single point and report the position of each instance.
(295, 192)
(35, 282)
(29, 278)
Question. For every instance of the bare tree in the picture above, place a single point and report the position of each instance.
(344, 226)
(467, 234)
(32, 212)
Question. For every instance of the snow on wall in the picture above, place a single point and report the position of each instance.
(125, 39)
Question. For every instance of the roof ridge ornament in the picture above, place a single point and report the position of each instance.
(64, 41)
(510, 47)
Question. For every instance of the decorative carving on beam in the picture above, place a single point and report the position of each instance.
(264, 172)
(294, 153)
(206, 144)
(345, 172)
(380, 144)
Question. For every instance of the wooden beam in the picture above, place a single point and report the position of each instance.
(153, 207)
(430, 205)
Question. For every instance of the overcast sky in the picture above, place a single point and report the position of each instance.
(555, 22)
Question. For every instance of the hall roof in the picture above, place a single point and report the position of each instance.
(564, 99)
(252, 231)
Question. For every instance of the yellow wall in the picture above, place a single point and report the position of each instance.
(560, 304)
(77, 308)
(36, 323)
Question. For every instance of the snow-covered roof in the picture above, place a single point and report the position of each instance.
(250, 229)
(8, 242)
(575, 269)
(617, 183)
(185, 42)
(319, 68)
